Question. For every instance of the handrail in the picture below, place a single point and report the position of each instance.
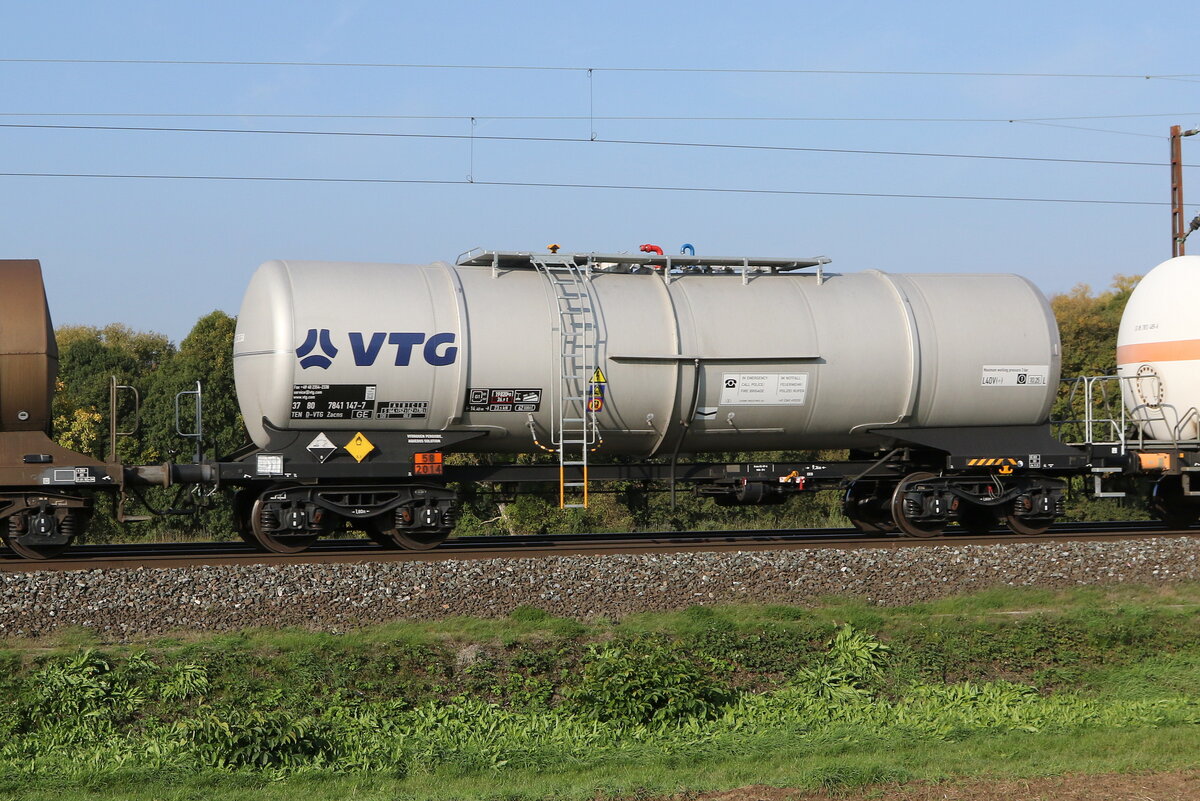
(1123, 426)
(738, 264)
(114, 391)
(198, 420)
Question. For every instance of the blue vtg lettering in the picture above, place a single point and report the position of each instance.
(367, 351)
(438, 350)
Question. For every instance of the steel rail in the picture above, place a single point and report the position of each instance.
(173, 555)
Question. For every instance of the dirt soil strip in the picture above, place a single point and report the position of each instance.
(1176, 786)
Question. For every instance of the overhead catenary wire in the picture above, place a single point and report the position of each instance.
(556, 185)
(578, 117)
(1089, 129)
(472, 137)
(584, 69)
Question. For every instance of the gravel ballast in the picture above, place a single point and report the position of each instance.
(131, 603)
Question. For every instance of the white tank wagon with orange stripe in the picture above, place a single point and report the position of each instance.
(1158, 351)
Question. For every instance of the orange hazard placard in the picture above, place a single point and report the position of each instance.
(427, 464)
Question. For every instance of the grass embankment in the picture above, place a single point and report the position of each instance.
(1001, 683)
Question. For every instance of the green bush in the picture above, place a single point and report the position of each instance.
(849, 670)
(643, 682)
(251, 738)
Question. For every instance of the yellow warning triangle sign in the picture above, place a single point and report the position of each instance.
(359, 447)
(598, 377)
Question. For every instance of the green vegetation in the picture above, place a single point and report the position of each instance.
(1088, 326)
(533, 706)
(89, 357)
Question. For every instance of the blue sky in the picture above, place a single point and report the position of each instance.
(157, 254)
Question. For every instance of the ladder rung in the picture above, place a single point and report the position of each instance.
(573, 419)
(572, 463)
(574, 506)
(574, 483)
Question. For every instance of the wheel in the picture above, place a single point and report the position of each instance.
(243, 508)
(383, 530)
(1168, 504)
(861, 506)
(868, 526)
(20, 524)
(264, 520)
(906, 526)
(420, 540)
(1177, 520)
(977, 520)
(1027, 527)
(33, 551)
(380, 534)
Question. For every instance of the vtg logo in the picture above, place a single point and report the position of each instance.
(436, 349)
(310, 342)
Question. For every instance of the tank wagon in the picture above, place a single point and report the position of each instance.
(1142, 425)
(939, 386)
(47, 492)
(355, 380)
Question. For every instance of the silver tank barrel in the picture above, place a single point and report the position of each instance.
(767, 361)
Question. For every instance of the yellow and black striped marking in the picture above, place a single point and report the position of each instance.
(992, 462)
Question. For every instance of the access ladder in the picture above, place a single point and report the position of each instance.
(575, 403)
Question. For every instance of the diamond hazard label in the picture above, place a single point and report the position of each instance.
(322, 447)
(359, 447)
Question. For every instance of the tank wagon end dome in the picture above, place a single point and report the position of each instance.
(28, 349)
(263, 344)
(1158, 350)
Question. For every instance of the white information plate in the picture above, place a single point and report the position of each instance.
(1015, 375)
(763, 389)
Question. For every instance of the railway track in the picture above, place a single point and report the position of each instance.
(170, 555)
